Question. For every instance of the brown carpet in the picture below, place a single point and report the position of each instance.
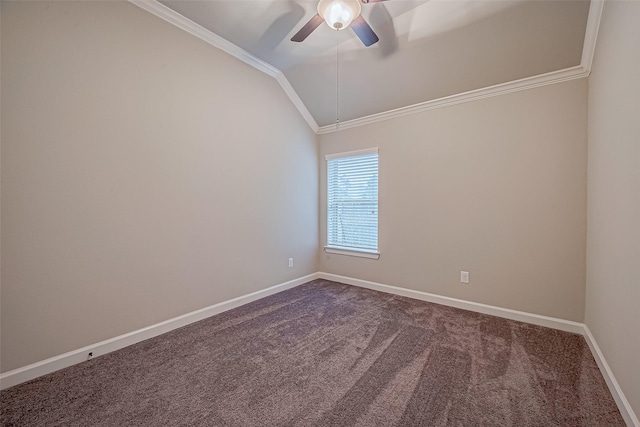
(327, 354)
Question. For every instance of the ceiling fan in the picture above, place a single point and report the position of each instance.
(338, 14)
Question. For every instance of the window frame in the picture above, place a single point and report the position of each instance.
(346, 250)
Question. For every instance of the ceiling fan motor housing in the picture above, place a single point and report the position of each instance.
(338, 14)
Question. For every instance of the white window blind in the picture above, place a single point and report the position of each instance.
(352, 200)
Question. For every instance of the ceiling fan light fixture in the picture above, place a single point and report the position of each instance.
(338, 14)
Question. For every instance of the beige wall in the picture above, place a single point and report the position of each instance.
(145, 174)
(613, 210)
(495, 187)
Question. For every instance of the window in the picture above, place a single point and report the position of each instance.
(352, 203)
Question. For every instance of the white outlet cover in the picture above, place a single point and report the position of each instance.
(464, 276)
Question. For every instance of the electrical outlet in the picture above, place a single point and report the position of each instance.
(464, 276)
(290, 262)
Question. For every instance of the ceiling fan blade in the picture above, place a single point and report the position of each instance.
(371, 1)
(380, 18)
(307, 28)
(364, 31)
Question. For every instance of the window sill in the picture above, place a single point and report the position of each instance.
(361, 253)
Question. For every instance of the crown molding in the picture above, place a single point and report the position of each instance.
(553, 77)
(173, 17)
(293, 96)
(577, 72)
(591, 33)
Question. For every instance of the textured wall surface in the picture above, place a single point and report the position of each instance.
(495, 187)
(145, 174)
(613, 244)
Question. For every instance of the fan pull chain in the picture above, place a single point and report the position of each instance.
(337, 92)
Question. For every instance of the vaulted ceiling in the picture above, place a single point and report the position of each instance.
(429, 50)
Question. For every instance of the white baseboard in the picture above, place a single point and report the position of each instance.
(536, 319)
(47, 366)
(550, 322)
(61, 361)
(623, 404)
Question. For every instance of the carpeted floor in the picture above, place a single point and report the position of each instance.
(327, 354)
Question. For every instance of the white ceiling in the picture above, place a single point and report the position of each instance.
(427, 49)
